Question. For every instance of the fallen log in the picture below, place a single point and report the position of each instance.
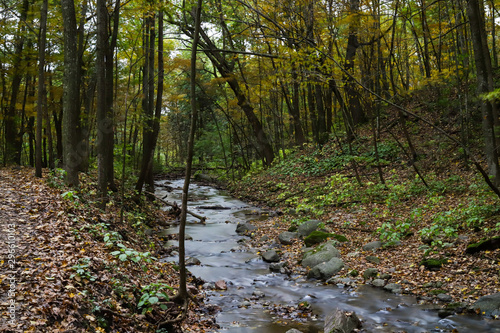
(201, 218)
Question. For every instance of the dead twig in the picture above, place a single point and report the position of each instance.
(201, 218)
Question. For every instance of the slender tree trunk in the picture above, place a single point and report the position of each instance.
(356, 114)
(71, 95)
(295, 110)
(147, 102)
(12, 154)
(194, 114)
(41, 87)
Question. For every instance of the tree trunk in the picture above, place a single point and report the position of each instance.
(71, 95)
(104, 68)
(484, 75)
(12, 138)
(183, 294)
(41, 87)
(356, 114)
(147, 101)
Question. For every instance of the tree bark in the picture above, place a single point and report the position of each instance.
(71, 95)
(183, 294)
(12, 137)
(356, 114)
(41, 87)
(484, 75)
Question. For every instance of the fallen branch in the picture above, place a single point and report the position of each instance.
(201, 218)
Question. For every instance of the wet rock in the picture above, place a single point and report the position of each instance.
(373, 246)
(245, 304)
(393, 288)
(276, 267)
(320, 254)
(243, 228)
(378, 283)
(327, 269)
(370, 273)
(270, 256)
(191, 261)
(221, 285)
(341, 321)
(341, 282)
(373, 259)
(307, 227)
(443, 313)
(444, 298)
(258, 294)
(209, 285)
(293, 330)
(287, 237)
(188, 237)
(488, 305)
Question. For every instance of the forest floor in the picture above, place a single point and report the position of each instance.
(77, 268)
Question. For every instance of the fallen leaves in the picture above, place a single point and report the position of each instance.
(53, 236)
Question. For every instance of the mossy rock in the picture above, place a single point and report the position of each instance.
(433, 264)
(437, 291)
(317, 237)
(484, 245)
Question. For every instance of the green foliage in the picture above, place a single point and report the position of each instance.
(70, 195)
(493, 96)
(393, 232)
(151, 294)
(126, 254)
(112, 238)
(82, 270)
(55, 178)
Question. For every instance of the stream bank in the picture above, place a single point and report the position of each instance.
(258, 300)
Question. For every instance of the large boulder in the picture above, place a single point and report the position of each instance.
(326, 270)
(340, 321)
(307, 227)
(488, 305)
(287, 237)
(320, 254)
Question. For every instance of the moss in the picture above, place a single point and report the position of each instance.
(437, 291)
(433, 264)
(316, 237)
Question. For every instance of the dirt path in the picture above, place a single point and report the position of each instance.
(33, 234)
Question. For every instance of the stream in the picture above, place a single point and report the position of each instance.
(252, 287)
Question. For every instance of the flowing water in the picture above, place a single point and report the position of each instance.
(223, 257)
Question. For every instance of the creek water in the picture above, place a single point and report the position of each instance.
(223, 256)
